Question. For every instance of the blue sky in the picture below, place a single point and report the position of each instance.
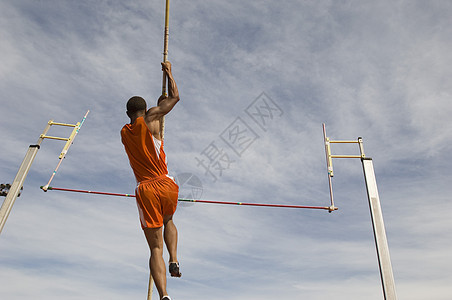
(377, 70)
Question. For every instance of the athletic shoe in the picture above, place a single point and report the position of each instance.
(174, 269)
(166, 298)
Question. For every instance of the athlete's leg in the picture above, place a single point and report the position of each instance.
(156, 263)
(170, 234)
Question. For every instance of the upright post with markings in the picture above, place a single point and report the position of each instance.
(20, 178)
(381, 242)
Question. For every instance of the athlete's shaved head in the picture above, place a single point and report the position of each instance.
(135, 104)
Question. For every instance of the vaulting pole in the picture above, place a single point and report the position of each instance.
(162, 120)
(165, 58)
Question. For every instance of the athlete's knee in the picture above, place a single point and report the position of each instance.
(154, 238)
(167, 219)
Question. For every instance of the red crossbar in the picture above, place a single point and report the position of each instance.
(199, 201)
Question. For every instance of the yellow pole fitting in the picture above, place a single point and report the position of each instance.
(62, 124)
(329, 156)
(345, 156)
(344, 142)
(69, 141)
(332, 208)
(361, 147)
(53, 137)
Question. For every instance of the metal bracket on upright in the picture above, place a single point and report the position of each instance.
(68, 140)
(381, 243)
(18, 182)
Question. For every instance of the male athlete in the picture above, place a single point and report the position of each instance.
(156, 192)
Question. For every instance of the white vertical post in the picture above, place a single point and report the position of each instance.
(17, 184)
(384, 260)
(20, 178)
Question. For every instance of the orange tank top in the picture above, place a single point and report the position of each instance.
(146, 156)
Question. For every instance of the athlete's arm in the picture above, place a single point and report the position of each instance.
(165, 104)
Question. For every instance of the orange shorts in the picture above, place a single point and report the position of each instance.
(156, 198)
